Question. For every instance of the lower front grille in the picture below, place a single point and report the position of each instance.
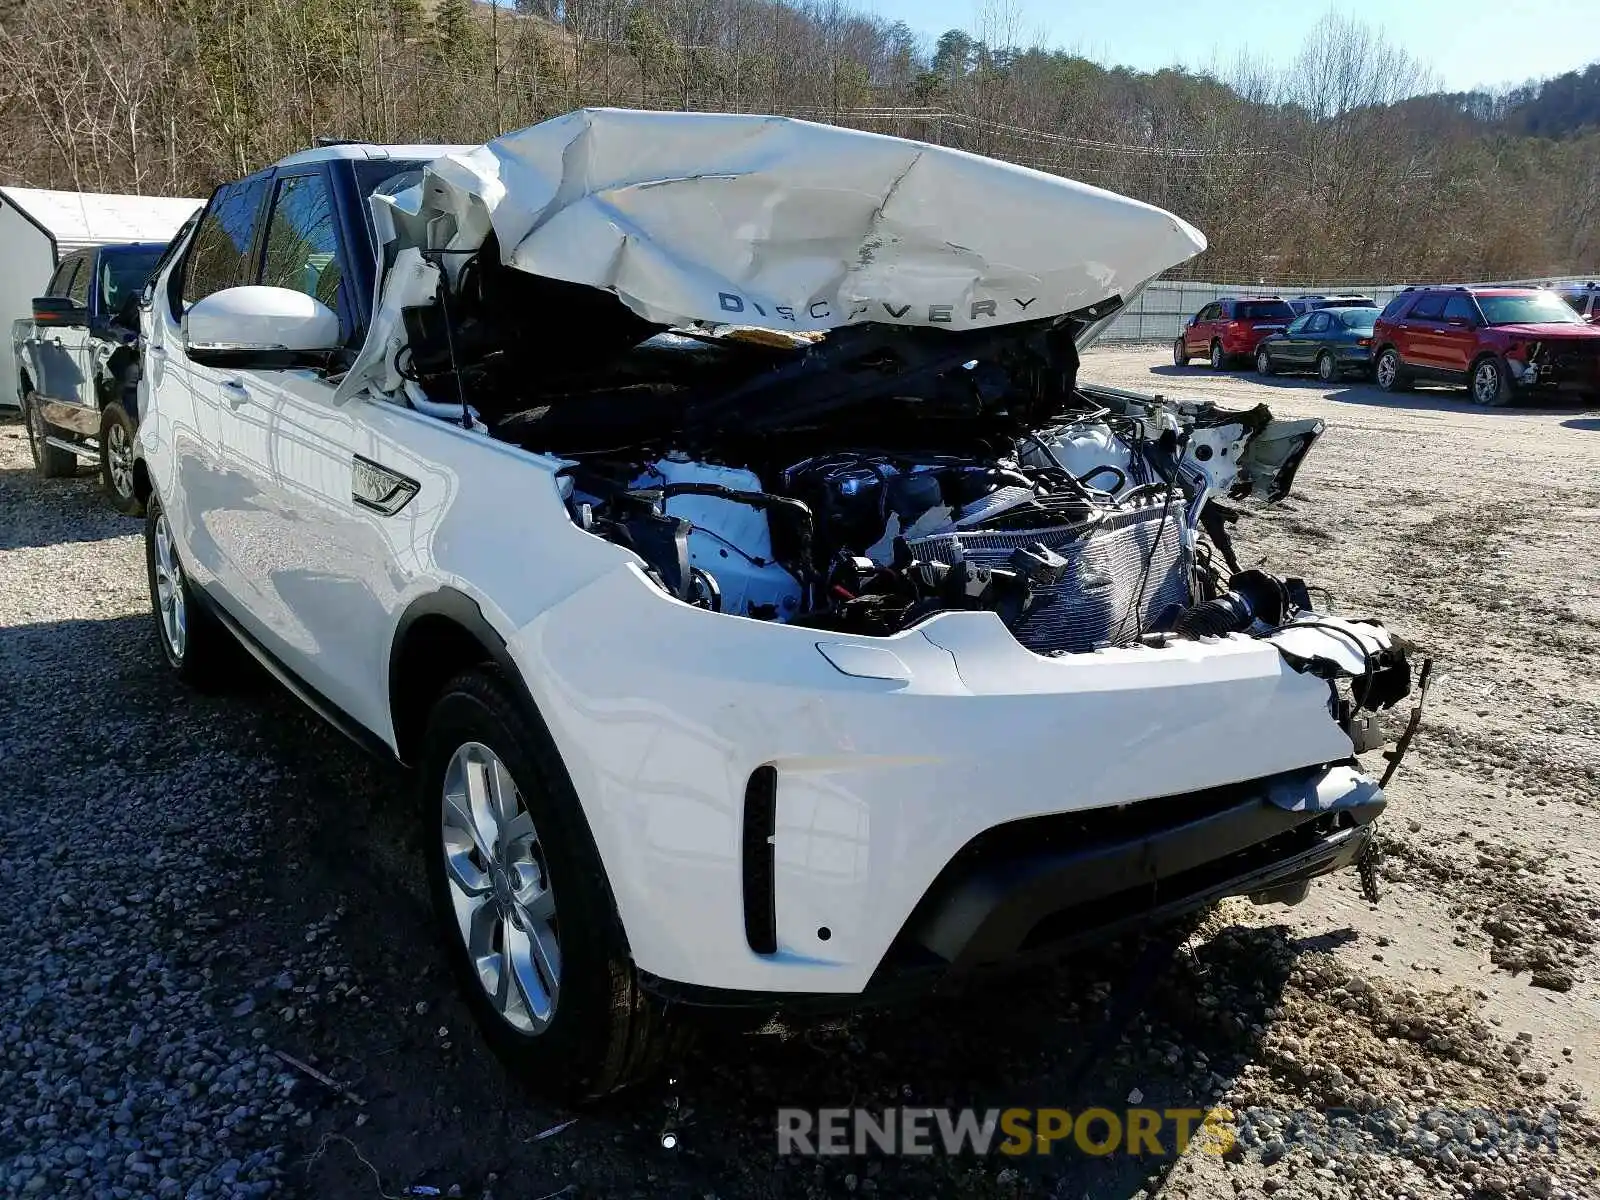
(1107, 596)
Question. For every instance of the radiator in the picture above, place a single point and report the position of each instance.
(1099, 600)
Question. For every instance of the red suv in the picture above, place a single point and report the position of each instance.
(1230, 329)
(1496, 340)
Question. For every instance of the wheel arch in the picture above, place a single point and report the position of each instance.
(439, 635)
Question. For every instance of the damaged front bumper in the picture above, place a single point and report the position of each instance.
(1058, 882)
(1553, 367)
(785, 813)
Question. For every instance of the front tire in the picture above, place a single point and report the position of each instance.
(1390, 373)
(1180, 353)
(1491, 383)
(50, 461)
(522, 901)
(1219, 360)
(192, 640)
(1327, 369)
(1264, 362)
(116, 461)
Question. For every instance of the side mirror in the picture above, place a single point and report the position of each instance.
(58, 312)
(1190, 322)
(267, 328)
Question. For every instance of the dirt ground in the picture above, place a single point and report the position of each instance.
(1443, 1043)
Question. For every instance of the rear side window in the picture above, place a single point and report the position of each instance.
(1263, 310)
(121, 275)
(61, 281)
(81, 279)
(302, 247)
(219, 256)
(1429, 308)
(1318, 324)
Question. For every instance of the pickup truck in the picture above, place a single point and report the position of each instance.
(78, 366)
(709, 509)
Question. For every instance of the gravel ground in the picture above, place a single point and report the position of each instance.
(192, 888)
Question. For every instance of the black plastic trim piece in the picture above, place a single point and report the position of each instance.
(759, 860)
(299, 688)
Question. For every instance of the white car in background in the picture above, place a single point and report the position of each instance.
(708, 508)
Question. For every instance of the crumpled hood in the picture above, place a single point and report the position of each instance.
(771, 221)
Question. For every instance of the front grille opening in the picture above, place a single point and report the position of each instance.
(1109, 910)
(759, 859)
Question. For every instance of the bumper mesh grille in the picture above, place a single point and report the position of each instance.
(1098, 602)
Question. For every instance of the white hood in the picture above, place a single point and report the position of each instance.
(769, 221)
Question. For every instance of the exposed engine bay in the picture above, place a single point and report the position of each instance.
(865, 479)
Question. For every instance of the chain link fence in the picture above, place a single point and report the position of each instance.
(1159, 312)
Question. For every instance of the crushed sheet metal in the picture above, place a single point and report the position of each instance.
(774, 222)
(1347, 646)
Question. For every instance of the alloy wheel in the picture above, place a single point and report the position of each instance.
(1325, 368)
(1217, 360)
(500, 888)
(169, 592)
(1387, 370)
(119, 458)
(1486, 383)
(1263, 363)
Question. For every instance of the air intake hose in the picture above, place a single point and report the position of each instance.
(1251, 596)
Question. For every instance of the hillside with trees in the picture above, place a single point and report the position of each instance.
(1344, 164)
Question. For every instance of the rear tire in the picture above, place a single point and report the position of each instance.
(1491, 382)
(50, 461)
(1264, 362)
(1180, 353)
(116, 461)
(1327, 369)
(581, 1026)
(1219, 360)
(1390, 372)
(191, 639)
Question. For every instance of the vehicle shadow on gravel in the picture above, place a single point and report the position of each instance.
(58, 511)
(1445, 399)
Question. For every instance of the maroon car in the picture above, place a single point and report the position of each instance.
(1230, 329)
(1498, 341)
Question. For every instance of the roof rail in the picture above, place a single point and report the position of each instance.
(320, 142)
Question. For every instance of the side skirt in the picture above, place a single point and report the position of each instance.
(297, 687)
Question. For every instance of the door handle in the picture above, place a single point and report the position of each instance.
(234, 392)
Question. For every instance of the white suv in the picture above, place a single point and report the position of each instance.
(708, 509)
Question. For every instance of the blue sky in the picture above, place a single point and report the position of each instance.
(1467, 43)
